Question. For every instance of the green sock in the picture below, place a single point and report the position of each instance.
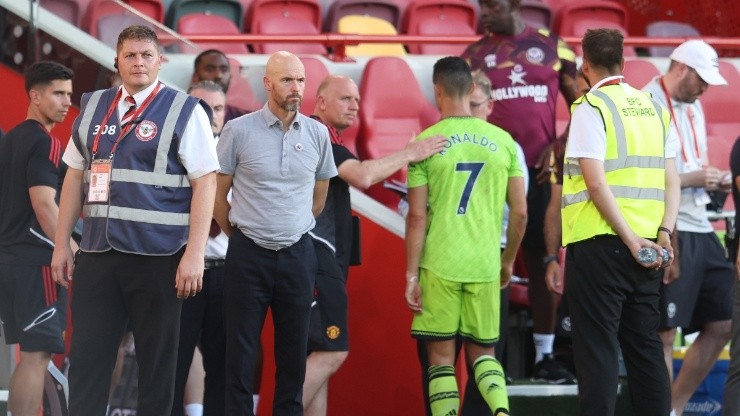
(444, 399)
(489, 377)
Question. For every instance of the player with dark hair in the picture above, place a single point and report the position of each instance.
(33, 308)
(456, 199)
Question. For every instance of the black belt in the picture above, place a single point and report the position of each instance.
(214, 263)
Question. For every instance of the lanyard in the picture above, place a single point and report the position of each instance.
(128, 127)
(694, 140)
(613, 80)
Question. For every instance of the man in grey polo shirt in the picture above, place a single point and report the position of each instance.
(278, 163)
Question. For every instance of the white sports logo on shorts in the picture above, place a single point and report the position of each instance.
(671, 309)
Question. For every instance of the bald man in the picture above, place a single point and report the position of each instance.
(337, 104)
(279, 163)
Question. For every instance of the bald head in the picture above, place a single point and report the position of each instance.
(284, 82)
(337, 101)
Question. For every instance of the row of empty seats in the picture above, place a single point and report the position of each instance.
(102, 18)
(394, 107)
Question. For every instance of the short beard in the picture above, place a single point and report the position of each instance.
(290, 106)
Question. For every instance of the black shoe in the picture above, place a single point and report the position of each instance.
(552, 371)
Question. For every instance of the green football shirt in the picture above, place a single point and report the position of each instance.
(467, 185)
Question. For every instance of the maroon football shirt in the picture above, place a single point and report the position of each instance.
(525, 75)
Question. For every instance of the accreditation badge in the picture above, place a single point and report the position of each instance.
(100, 171)
(701, 197)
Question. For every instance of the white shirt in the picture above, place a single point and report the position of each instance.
(198, 156)
(691, 217)
(216, 246)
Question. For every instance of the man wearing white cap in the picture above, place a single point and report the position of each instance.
(701, 300)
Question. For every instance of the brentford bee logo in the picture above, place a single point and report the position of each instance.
(333, 332)
(535, 55)
(146, 130)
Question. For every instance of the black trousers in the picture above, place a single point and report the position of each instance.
(613, 302)
(202, 323)
(109, 290)
(256, 278)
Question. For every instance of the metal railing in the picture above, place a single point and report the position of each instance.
(339, 42)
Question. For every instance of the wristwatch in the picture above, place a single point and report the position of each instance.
(550, 258)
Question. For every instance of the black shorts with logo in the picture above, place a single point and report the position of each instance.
(33, 308)
(703, 291)
(328, 326)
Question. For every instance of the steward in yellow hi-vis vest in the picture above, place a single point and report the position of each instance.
(621, 192)
(634, 165)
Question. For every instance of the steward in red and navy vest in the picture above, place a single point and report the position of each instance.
(148, 208)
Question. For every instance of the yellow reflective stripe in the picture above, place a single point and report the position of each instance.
(645, 162)
(627, 192)
(621, 136)
(138, 215)
(659, 112)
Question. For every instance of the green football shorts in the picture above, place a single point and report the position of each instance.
(451, 308)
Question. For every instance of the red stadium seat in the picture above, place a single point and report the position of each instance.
(109, 27)
(562, 115)
(554, 5)
(536, 14)
(240, 93)
(316, 71)
(667, 29)
(719, 151)
(69, 10)
(286, 17)
(211, 24)
(103, 17)
(151, 8)
(393, 110)
(575, 17)
(230, 9)
(308, 10)
(638, 72)
(439, 17)
(384, 9)
(721, 103)
(246, 6)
